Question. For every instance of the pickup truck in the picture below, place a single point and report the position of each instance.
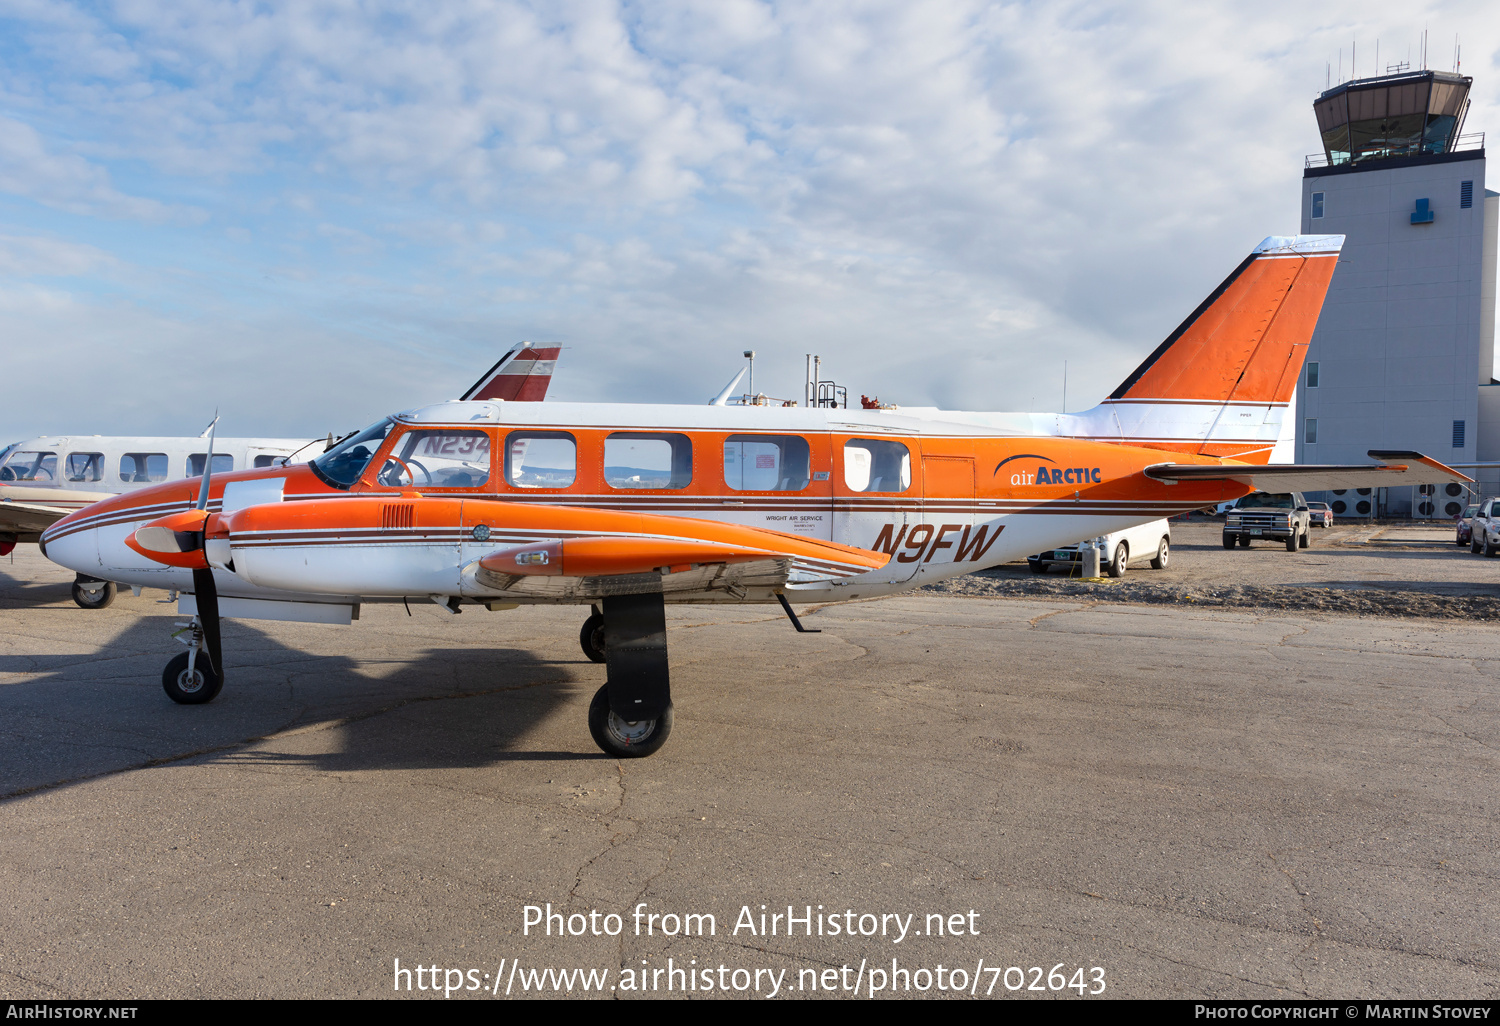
(1268, 516)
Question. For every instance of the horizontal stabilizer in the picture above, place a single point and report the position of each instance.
(1415, 469)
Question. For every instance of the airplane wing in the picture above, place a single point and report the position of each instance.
(26, 511)
(521, 375)
(521, 550)
(1416, 469)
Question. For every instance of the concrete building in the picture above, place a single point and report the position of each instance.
(1403, 355)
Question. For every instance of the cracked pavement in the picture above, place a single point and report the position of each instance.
(1205, 802)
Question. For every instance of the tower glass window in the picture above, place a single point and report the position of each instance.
(1317, 205)
(1312, 375)
(1312, 430)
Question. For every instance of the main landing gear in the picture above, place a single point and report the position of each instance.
(631, 715)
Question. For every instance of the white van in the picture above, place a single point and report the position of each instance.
(1116, 551)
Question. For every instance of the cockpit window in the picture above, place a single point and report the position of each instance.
(342, 465)
(442, 458)
(30, 466)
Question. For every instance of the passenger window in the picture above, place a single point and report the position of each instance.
(30, 466)
(767, 463)
(874, 465)
(143, 467)
(438, 459)
(223, 463)
(84, 466)
(637, 460)
(539, 459)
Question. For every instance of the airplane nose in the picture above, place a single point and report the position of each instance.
(78, 551)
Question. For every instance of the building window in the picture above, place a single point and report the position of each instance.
(1466, 194)
(1317, 205)
(1458, 434)
(1311, 434)
(1312, 375)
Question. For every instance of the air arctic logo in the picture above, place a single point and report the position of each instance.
(1056, 475)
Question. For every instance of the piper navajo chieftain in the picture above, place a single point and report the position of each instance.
(627, 507)
(44, 479)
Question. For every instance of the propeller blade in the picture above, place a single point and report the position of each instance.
(208, 467)
(207, 596)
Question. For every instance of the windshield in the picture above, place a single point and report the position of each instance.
(342, 465)
(1265, 500)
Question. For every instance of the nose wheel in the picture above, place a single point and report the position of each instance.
(90, 593)
(189, 681)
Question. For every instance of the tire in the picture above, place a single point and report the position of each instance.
(1291, 542)
(623, 740)
(591, 638)
(1305, 541)
(1163, 555)
(1121, 560)
(1474, 543)
(1489, 546)
(1229, 541)
(98, 600)
(204, 687)
(1244, 541)
(1038, 567)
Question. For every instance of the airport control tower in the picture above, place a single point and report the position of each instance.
(1403, 354)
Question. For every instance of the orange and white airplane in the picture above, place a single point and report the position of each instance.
(627, 507)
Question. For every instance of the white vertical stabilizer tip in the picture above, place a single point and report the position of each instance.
(1301, 245)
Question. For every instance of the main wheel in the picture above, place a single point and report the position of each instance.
(1163, 555)
(96, 599)
(1229, 541)
(1120, 561)
(202, 685)
(591, 638)
(1244, 541)
(626, 739)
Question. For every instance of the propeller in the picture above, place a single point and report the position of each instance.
(204, 590)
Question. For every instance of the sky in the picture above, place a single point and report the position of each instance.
(307, 215)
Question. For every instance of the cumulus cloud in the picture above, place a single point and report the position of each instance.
(945, 199)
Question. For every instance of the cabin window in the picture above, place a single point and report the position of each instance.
(541, 459)
(30, 466)
(634, 459)
(223, 463)
(441, 458)
(875, 465)
(84, 466)
(143, 467)
(767, 463)
(264, 461)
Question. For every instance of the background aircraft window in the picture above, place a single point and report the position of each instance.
(875, 465)
(441, 458)
(541, 460)
(142, 467)
(29, 466)
(638, 460)
(767, 463)
(84, 466)
(223, 463)
(264, 461)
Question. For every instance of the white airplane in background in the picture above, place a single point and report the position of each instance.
(43, 479)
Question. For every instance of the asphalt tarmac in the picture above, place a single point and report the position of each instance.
(1198, 803)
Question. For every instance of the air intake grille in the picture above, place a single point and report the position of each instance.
(395, 516)
(1458, 434)
(1466, 194)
